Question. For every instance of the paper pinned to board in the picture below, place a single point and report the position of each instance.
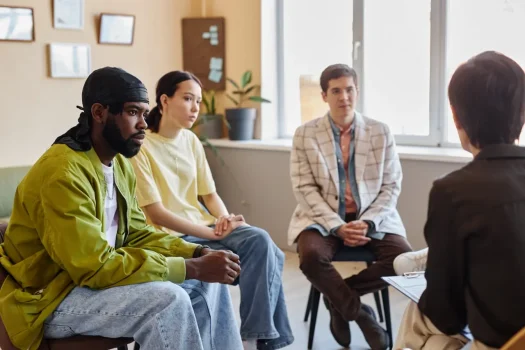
(216, 63)
(215, 75)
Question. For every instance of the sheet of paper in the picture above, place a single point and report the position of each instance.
(215, 75)
(69, 14)
(216, 63)
(411, 287)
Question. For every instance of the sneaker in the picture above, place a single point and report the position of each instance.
(338, 326)
(374, 334)
(411, 262)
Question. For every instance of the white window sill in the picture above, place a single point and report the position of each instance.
(430, 154)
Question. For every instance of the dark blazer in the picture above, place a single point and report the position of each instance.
(475, 233)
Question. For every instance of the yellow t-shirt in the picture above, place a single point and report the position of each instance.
(174, 172)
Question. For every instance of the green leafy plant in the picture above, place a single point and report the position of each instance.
(208, 100)
(243, 90)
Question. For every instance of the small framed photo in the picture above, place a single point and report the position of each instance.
(116, 29)
(70, 60)
(17, 24)
(68, 14)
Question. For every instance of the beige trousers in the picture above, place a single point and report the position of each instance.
(417, 332)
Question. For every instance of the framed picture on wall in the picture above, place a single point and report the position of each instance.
(68, 14)
(17, 24)
(69, 60)
(116, 29)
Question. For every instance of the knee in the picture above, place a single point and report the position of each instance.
(261, 236)
(168, 293)
(310, 262)
(403, 246)
(400, 246)
(261, 239)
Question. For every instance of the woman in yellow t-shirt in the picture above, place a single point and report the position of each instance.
(172, 173)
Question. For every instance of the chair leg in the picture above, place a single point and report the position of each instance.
(122, 348)
(136, 346)
(376, 298)
(314, 308)
(386, 309)
(378, 306)
(308, 304)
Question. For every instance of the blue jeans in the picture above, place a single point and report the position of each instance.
(263, 309)
(158, 315)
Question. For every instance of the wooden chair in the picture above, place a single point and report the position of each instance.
(517, 342)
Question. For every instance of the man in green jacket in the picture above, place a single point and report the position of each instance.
(81, 258)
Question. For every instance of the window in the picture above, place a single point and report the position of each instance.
(316, 34)
(404, 52)
(396, 64)
(476, 26)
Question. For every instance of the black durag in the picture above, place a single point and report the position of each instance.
(108, 86)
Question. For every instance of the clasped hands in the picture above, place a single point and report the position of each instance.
(225, 224)
(354, 233)
(222, 266)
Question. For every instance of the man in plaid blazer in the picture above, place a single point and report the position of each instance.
(346, 177)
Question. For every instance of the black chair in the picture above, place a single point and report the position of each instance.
(358, 254)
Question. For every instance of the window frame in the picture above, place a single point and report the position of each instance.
(437, 113)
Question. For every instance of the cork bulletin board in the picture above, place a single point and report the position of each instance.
(203, 50)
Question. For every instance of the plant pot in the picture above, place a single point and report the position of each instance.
(242, 122)
(212, 127)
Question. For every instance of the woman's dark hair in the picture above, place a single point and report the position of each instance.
(167, 85)
(487, 94)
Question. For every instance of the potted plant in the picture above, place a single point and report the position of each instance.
(209, 123)
(241, 118)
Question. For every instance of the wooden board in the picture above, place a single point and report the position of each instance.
(203, 50)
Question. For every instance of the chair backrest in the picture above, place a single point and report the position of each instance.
(517, 342)
(9, 180)
(5, 343)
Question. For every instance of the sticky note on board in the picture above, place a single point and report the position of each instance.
(214, 35)
(215, 75)
(213, 29)
(214, 42)
(216, 63)
(206, 35)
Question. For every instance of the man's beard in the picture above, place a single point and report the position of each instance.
(127, 147)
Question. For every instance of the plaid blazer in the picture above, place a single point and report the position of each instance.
(315, 177)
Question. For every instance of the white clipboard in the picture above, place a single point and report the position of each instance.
(411, 284)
